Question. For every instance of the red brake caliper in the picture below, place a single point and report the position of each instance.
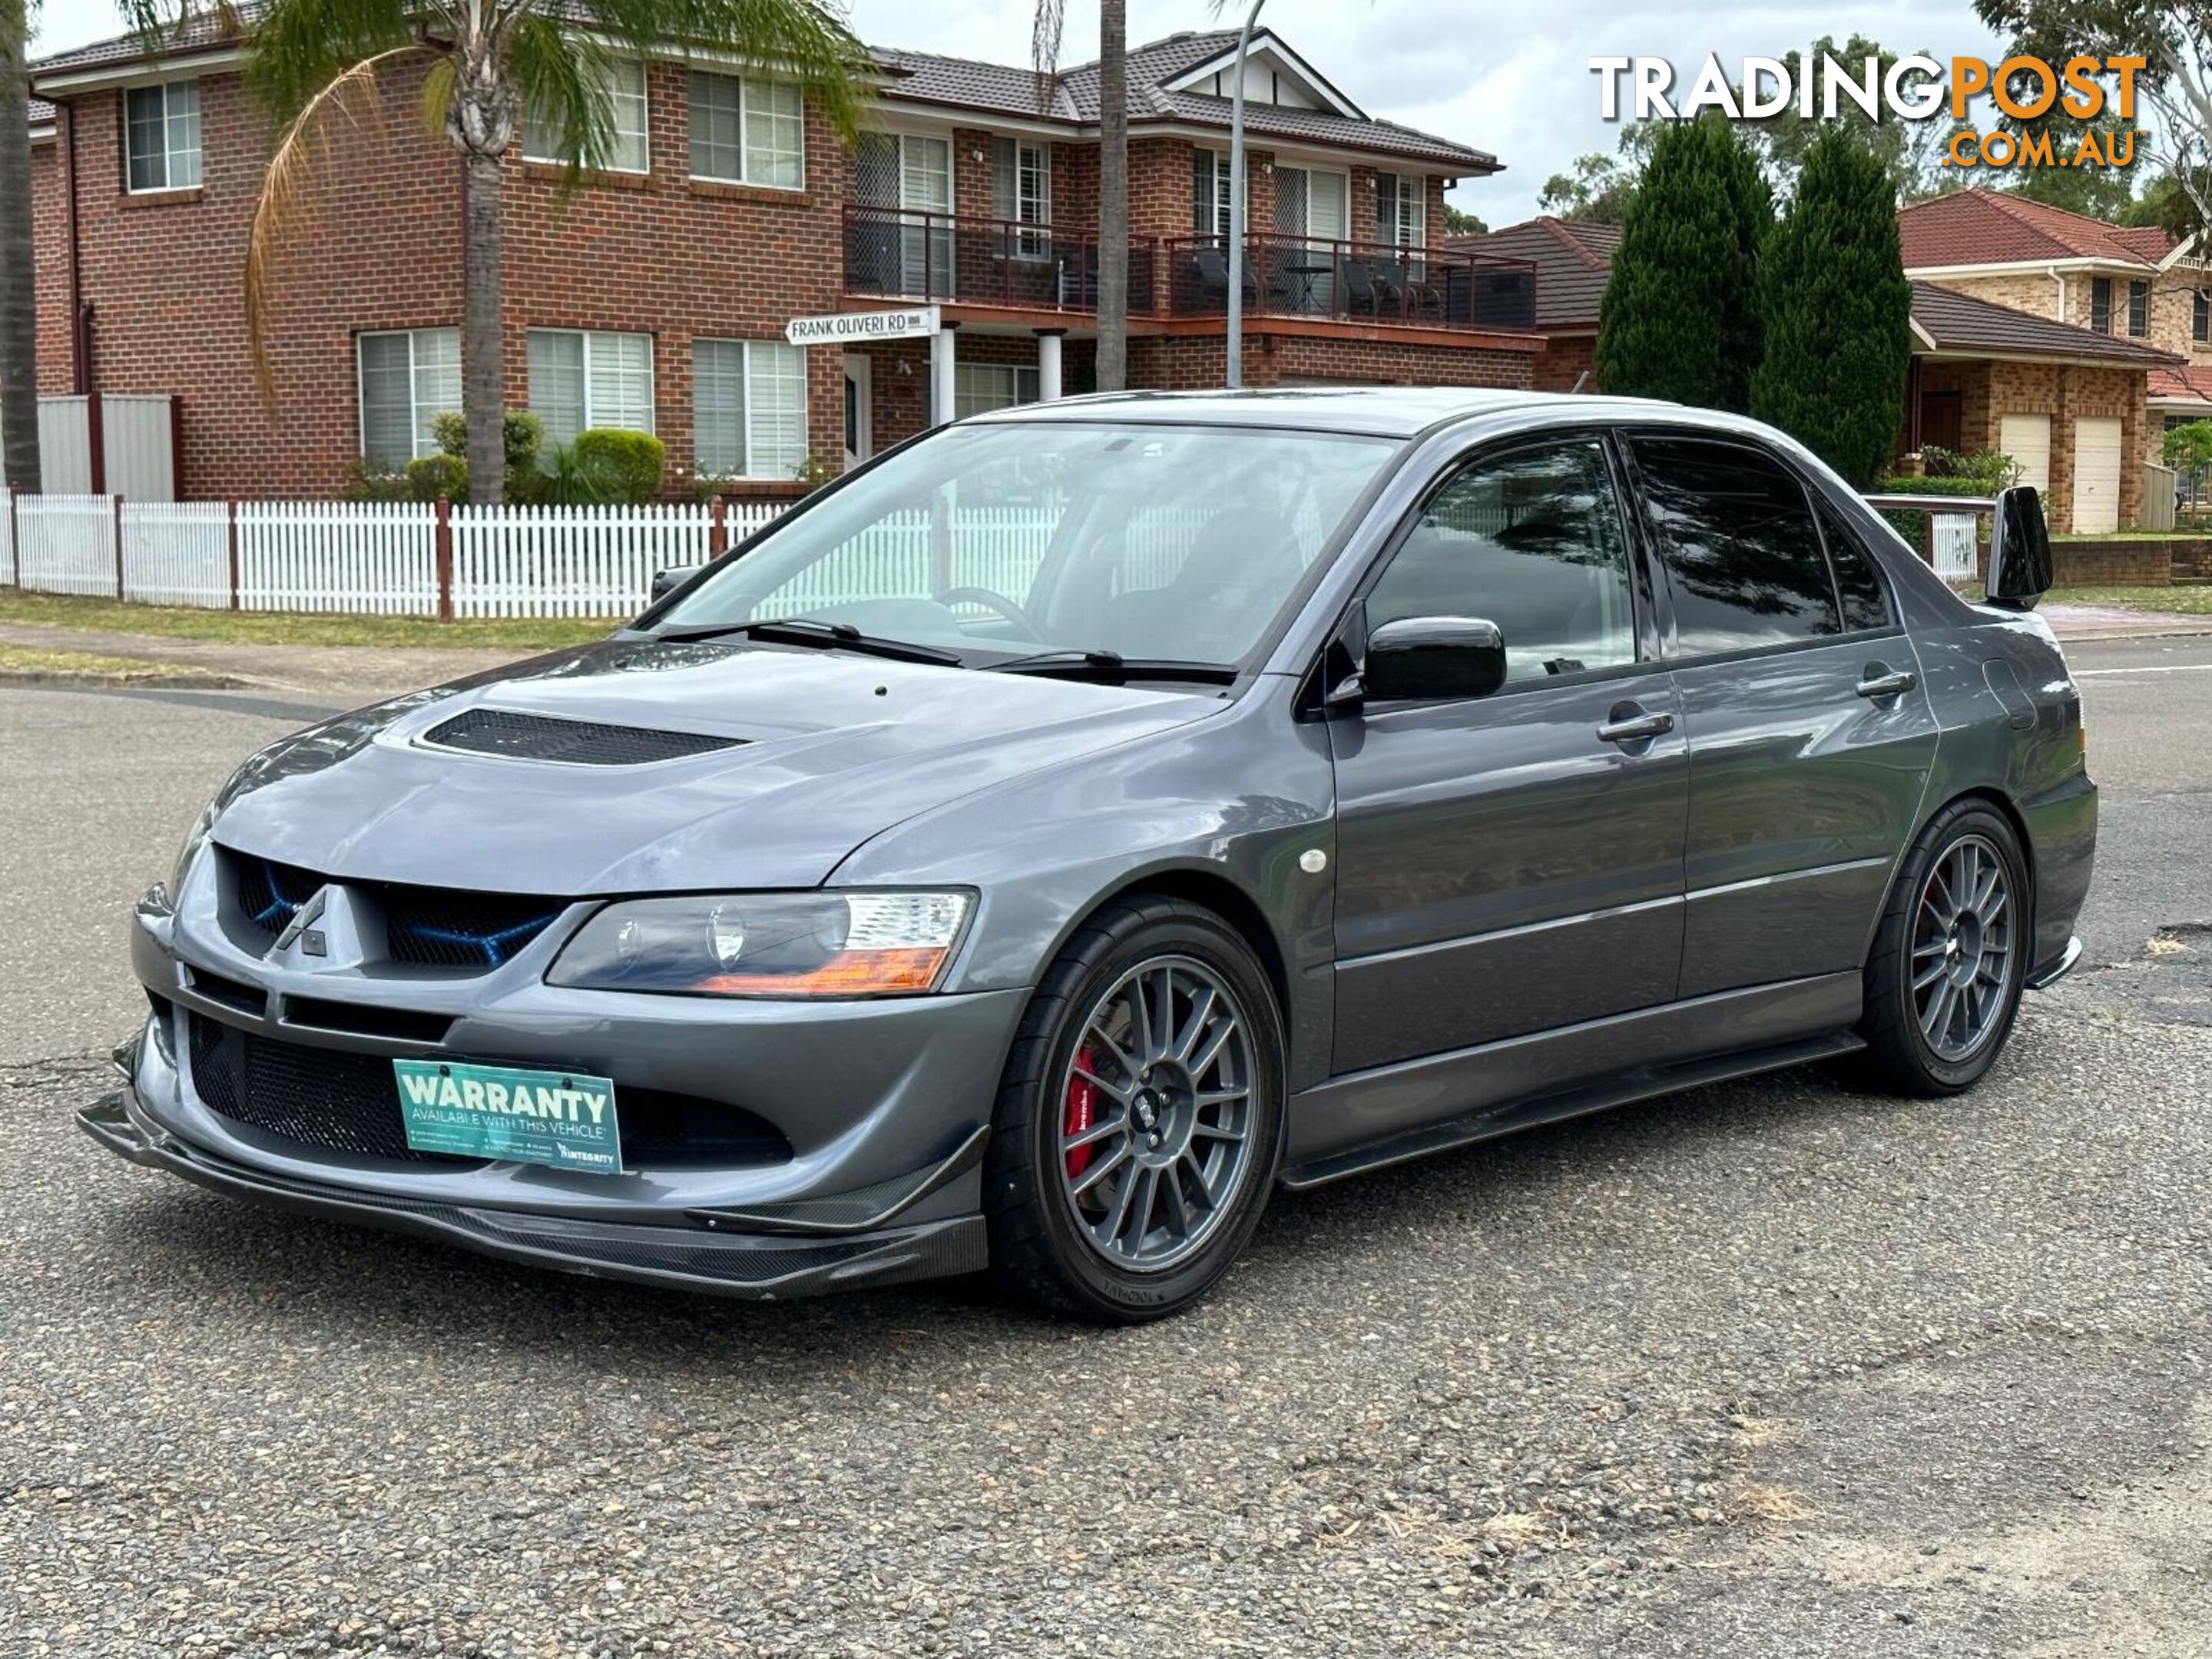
(1082, 1111)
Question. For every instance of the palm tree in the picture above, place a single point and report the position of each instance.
(316, 61)
(18, 308)
(1113, 168)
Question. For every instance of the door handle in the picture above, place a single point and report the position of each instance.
(1883, 682)
(1629, 723)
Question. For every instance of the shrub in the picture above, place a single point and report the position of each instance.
(1680, 318)
(521, 435)
(1989, 467)
(429, 477)
(622, 466)
(374, 479)
(1837, 310)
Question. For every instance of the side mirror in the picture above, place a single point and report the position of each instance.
(1434, 657)
(2020, 550)
(665, 582)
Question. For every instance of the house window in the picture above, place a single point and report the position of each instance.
(2139, 309)
(1209, 192)
(747, 132)
(579, 381)
(748, 409)
(978, 388)
(408, 379)
(2101, 304)
(161, 136)
(1401, 208)
(628, 148)
(2200, 327)
(1021, 191)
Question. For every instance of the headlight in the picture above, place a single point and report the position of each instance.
(193, 842)
(768, 945)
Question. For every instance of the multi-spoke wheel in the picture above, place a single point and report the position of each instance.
(1140, 1118)
(1156, 1125)
(1944, 981)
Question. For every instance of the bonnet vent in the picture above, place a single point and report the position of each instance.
(577, 743)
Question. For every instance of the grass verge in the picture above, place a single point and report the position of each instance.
(2169, 601)
(295, 627)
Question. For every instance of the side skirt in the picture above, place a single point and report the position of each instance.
(1548, 1076)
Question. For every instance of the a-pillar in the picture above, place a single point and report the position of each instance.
(1048, 363)
(943, 360)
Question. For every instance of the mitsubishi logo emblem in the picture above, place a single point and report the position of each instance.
(301, 929)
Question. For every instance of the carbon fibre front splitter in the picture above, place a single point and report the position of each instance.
(757, 1266)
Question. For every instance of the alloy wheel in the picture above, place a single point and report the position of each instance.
(1962, 948)
(1156, 1115)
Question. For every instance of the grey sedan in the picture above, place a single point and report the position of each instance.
(1083, 819)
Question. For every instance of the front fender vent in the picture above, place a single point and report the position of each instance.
(573, 742)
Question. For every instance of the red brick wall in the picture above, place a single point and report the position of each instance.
(1182, 362)
(50, 248)
(1563, 360)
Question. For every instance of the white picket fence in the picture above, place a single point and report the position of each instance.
(362, 558)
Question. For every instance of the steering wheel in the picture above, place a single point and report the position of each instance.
(998, 602)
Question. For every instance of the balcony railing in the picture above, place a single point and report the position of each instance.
(899, 253)
(1352, 281)
(904, 253)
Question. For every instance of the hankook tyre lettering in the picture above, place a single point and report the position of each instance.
(1343, 776)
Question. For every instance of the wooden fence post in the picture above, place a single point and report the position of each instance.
(15, 537)
(230, 548)
(718, 528)
(445, 559)
(115, 507)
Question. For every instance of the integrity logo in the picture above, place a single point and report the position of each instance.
(1915, 88)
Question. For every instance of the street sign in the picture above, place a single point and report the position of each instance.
(844, 326)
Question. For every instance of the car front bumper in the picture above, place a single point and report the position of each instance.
(883, 1109)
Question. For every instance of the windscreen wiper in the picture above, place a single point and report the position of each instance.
(1112, 668)
(825, 635)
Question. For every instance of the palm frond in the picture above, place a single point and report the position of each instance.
(563, 75)
(285, 203)
(806, 41)
(299, 47)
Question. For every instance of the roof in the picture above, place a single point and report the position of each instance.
(1959, 323)
(2001, 228)
(42, 113)
(1070, 97)
(1573, 260)
(2190, 383)
(1392, 411)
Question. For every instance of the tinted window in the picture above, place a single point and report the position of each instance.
(1533, 542)
(1858, 580)
(1735, 535)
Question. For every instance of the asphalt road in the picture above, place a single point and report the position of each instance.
(1775, 1369)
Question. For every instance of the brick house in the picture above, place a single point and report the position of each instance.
(655, 293)
(1572, 260)
(2134, 286)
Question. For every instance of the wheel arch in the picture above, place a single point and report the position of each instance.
(1983, 795)
(1210, 890)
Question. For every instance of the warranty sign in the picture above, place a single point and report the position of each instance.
(559, 1119)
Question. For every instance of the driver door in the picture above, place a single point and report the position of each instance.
(1504, 865)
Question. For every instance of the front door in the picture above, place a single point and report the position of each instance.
(1810, 737)
(1504, 865)
(859, 407)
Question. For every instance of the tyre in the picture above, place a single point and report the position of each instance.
(1139, 1121)
(1944, 982)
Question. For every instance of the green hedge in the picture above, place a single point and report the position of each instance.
(1918, 486)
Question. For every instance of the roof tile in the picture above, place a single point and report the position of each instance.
(1996, 228)
(1958, 322)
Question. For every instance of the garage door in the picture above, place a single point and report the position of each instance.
(2026, 439)
(2096, 475)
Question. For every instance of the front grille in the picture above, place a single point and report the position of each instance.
(424, 926)
(350, 1102)
(577, 743)
(444, 927)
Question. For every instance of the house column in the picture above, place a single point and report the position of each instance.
(942, 362)
(1048, 363)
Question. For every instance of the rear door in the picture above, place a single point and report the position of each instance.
(1503, 866)
(1810, 736)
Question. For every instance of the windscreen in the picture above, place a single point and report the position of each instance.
(998, 539)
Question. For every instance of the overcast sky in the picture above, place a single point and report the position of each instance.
(1514, 80)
